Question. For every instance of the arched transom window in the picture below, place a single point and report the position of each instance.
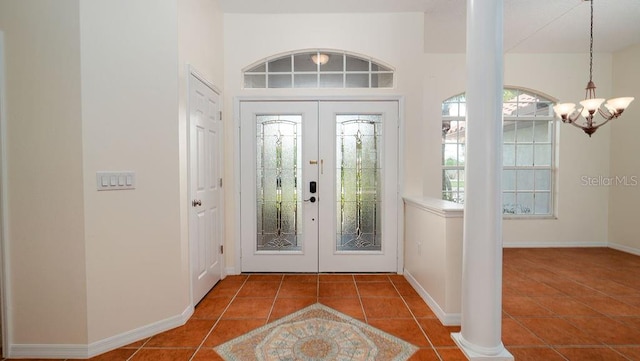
(318, 69)
(528, 152)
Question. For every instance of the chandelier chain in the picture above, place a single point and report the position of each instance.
(591, 46)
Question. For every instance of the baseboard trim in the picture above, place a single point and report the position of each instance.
(623, 248)
(553, 245)
(619, 247)
(47, 351)
(96, 348)
(231, 271)
(447, 319)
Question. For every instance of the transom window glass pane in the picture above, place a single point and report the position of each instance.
(304, 62)
(378, 67)
(331, 80)
(359, 200)
(280, 65)
(279, 80)
(357, 80)
(305, 81)
(356, 64)
(278, 169)
(331, 70)
(335, 62)
(255, 81)
(528, 143)
(382, 80)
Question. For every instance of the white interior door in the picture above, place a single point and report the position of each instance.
(205, 216)
(319, 184)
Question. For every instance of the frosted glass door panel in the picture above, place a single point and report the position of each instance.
(357, 182)
(278, 171)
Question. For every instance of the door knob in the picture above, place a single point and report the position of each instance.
(196, 202)
(311, 199)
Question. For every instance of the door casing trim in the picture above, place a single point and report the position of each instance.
(237, 100)
(6, 331)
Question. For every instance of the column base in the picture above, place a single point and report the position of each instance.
(473, 355)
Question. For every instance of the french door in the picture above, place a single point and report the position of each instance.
(319, 186)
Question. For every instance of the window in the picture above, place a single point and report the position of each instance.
(318, 69)
(529, 140)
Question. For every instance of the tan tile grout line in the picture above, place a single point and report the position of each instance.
(217, 320)
(415, 319)
(273, 304)
(355, 284)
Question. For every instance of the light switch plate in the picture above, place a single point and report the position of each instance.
(112, 181)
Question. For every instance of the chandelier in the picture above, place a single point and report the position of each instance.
(583, 118)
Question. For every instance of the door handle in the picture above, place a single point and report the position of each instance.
(196, 202)
(311, 199)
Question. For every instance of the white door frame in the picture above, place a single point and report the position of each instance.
(191, 71)
(237, 161)
(4, 234)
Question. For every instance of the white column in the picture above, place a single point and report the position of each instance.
(480, 336)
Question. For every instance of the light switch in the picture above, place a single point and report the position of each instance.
(115, 180)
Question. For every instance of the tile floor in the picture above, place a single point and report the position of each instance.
(577, 304)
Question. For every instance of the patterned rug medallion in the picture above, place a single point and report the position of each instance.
(316, 333)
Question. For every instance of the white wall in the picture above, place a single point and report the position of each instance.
(433, 254)
(581, 211)
(395, 39)
(46, 282)
(93, 86)
(136, 271)
(623, 216)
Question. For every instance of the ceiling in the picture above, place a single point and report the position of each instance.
(530, 26)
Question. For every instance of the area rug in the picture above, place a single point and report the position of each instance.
(316, 333)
